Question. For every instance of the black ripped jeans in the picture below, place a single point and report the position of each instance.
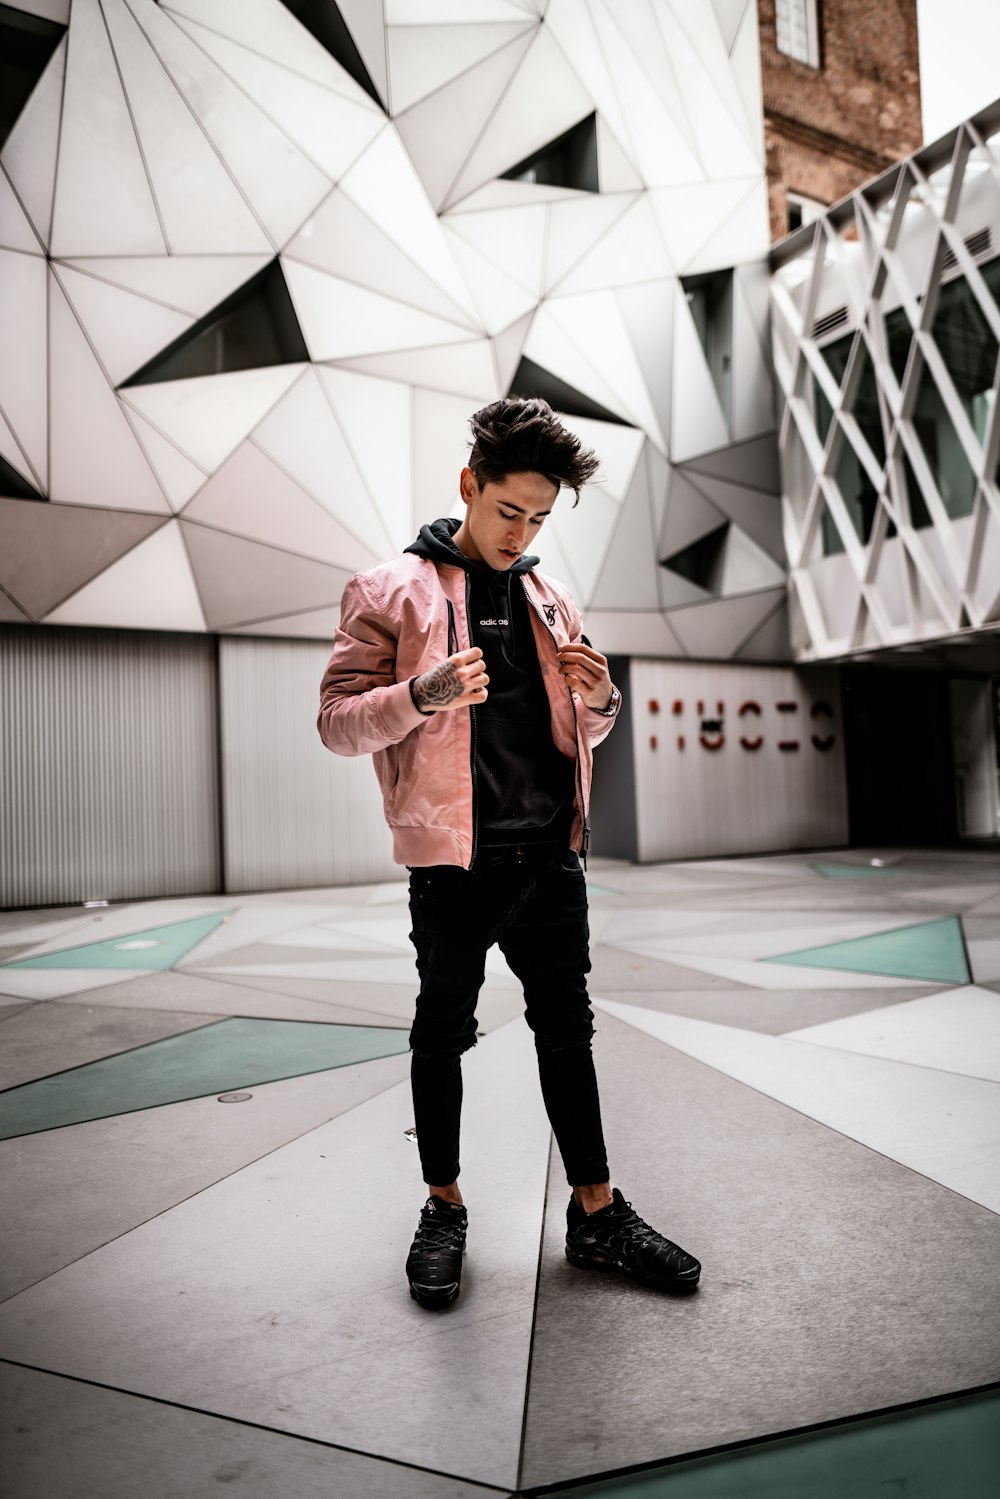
(531, 901)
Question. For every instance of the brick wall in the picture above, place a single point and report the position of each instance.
(827, 130)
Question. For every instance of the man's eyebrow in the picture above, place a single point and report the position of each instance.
(509, 505)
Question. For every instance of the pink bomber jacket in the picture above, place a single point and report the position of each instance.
(398, 620)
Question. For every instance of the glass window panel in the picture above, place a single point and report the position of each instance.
(919, 514)
(796, 29)
(865, 407)
(832, 539)
(898, 337)
(857, 490)
(967, 345)
(954, 478)
(26, 44)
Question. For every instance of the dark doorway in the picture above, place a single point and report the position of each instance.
(900, 776)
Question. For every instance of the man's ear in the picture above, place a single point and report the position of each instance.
(468, 487)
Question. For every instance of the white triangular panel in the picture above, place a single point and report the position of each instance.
(457, 369)
(11, 450)
(717, 629)
(689, 515)
(317, 624)
(365, 22)
(29, 152)
(507, 348)
(743, 236)
(424, 58)
(689, 217)
(125, 330)
(150, 588)
(615, 172)
(23, 376)
(697, 422)
(512, 238)
(16, 232)
(628, 575)
(96, 459)
(103, 204)
(744, 61)
(513, 193)
(648, 312)
(549, 345)
(340, 238)
(722, 141)
(188, 283)
(499, 300)
(449, 12)
(631, 252)
(544, 100)
(385, 184)
(179, 477)
(331, 130)
(268, 27)
(752, 387)
(593, 321)
(583, 533)
(575, 227)
(208, 415)
(619, 449)
(659, 472)
(660, 146)
(729, 16)
(573, 28)
(747, 566)
(553, 560)
(278, 179)
(375, 417)
(305, 439)
(631, 632)
(250, 496)
(201, 207)
(440, 451)
(340, 320)
(436, 148)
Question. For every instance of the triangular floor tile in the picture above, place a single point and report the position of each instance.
(933, 951)
(158, 948)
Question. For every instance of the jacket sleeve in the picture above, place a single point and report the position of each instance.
(362, 706)
(596, 726)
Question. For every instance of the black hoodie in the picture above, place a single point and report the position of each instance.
(524, 786)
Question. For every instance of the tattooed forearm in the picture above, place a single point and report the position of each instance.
(438, 687)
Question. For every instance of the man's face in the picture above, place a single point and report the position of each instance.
(502, 520)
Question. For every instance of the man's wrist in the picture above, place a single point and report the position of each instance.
(612, 707)
(427, 713)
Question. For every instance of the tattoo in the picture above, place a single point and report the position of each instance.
(438, 687)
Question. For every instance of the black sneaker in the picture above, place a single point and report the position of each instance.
(434, 1263)
(616, 1238)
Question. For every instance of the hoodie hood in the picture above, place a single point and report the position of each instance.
(435, 541)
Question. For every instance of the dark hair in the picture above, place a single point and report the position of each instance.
(524, 436)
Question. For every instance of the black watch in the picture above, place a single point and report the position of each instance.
(613, 706)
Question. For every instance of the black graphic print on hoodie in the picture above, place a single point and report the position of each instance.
(524, 785)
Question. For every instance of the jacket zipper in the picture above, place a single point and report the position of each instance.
(472, 719)
(584, 810)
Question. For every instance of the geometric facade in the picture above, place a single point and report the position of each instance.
(259, 262)
(886, 328)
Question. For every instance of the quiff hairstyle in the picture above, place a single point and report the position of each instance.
(524, 436)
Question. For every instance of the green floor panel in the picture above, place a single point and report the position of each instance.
(158, 948)
(600, 890)
(217, 1058)
(932, 950)
(949, 1450)
(852, 871)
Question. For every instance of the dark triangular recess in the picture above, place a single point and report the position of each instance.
(568, 161)
(702, 561)
(13, 486)
(323, 19)
(254, 327)
(531, 379)
(26, 44)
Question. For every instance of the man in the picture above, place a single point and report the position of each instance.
(464, 673)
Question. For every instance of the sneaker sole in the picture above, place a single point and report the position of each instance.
(601, 1262)
(433, 1297)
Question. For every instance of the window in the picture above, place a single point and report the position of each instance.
(568, 161)
(798, 30)
(710, 298)
(802, 210)
(26, 44)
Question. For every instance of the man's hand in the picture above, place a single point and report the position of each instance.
(458, 682)
(586, 671)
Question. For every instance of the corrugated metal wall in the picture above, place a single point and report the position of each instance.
(108, 766)
(699, 800)
(294, 814)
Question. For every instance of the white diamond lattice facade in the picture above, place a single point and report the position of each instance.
(255, 275)
(886, 325)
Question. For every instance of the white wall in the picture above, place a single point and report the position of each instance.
(698, 801)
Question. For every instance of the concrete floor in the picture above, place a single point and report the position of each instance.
(209, 1192)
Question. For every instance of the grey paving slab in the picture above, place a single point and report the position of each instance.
(257, 954)
(10, 1007)
(60, 1439)
(278, 1296)
(68, 1191)
(612, 968)
(835, 1281)
(770, 1011)
(199, 994)
(53, 1036)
